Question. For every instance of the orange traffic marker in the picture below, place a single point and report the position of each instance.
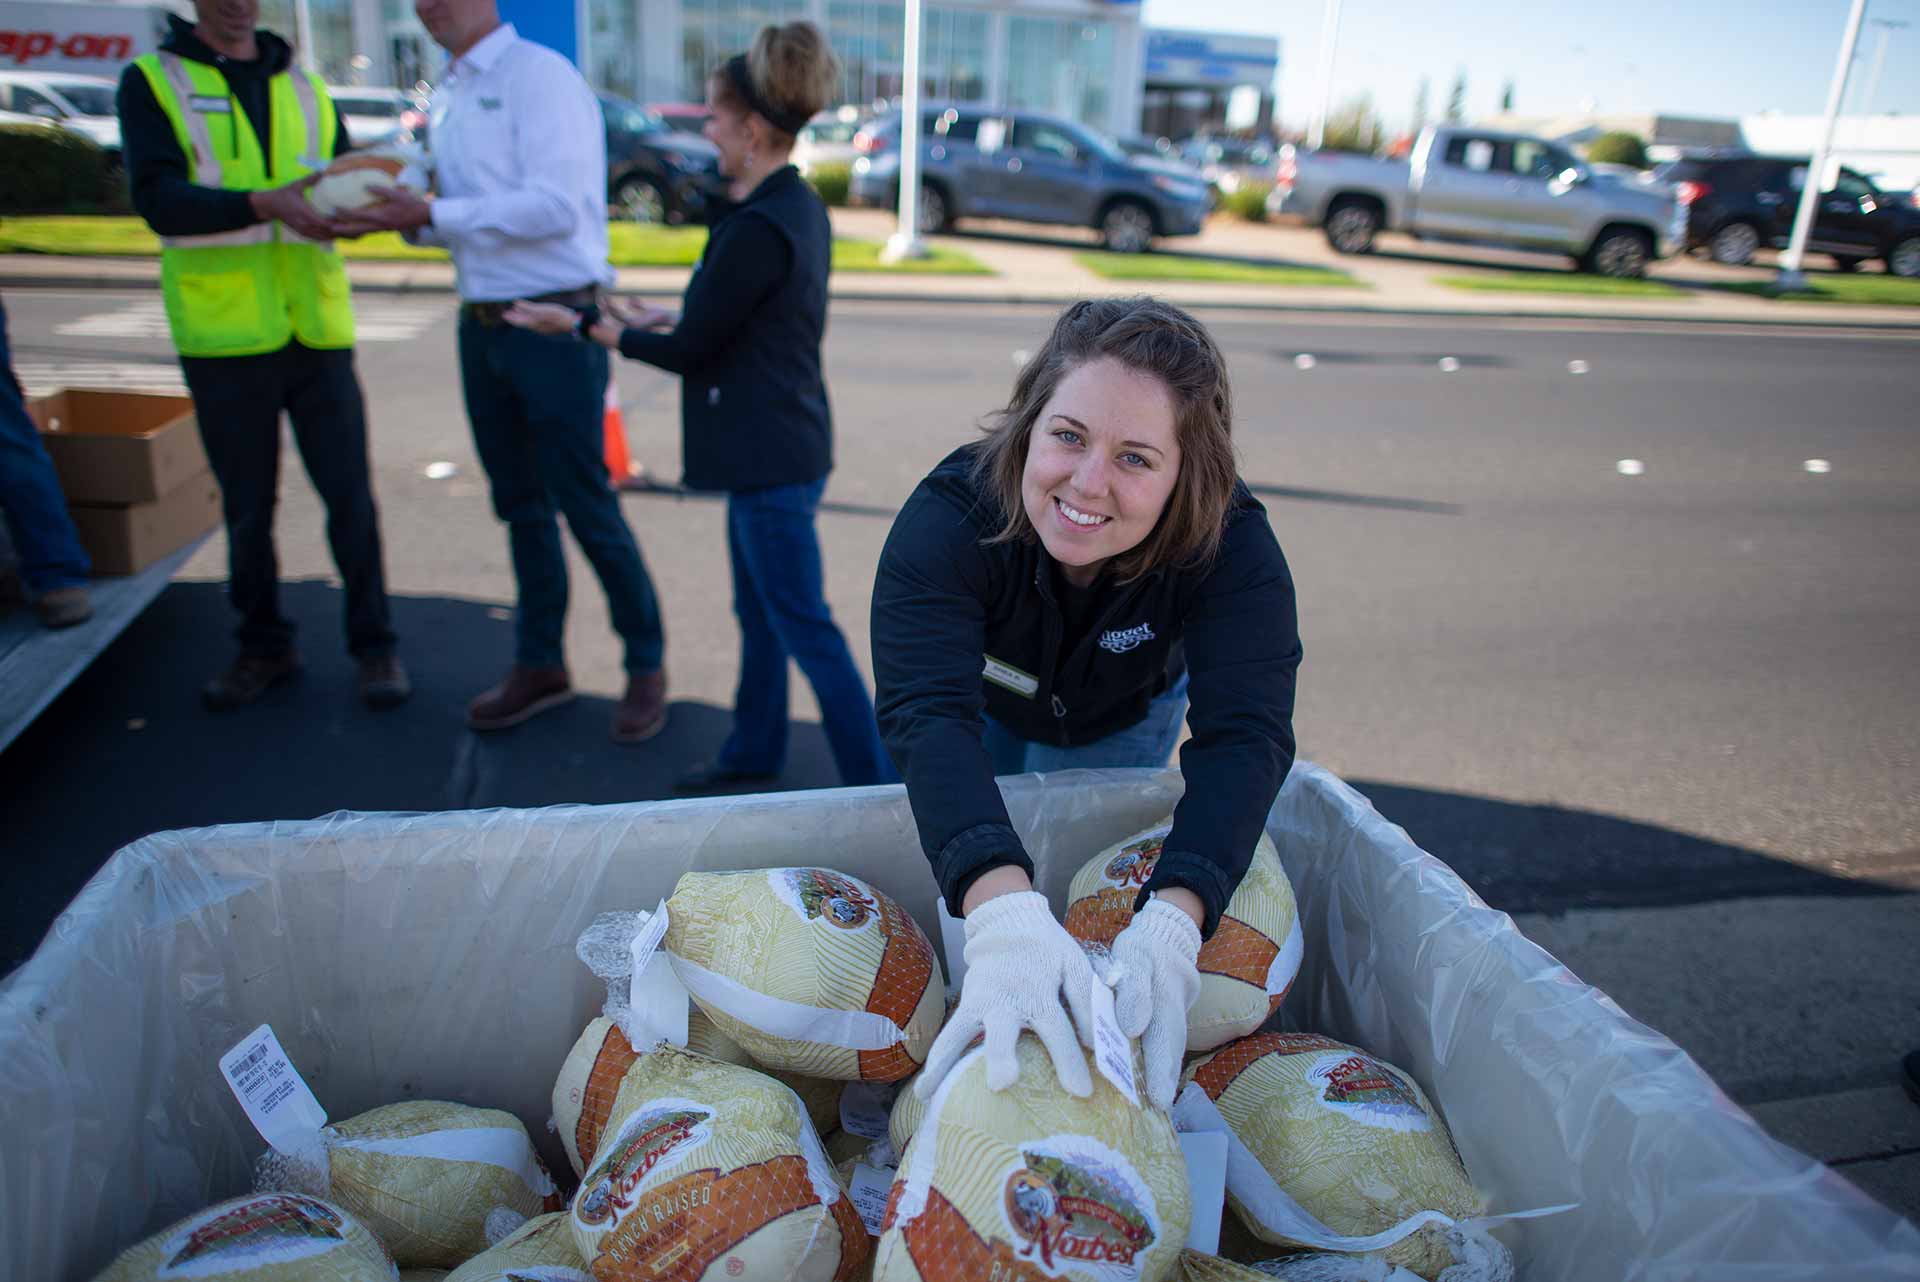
(622, 472)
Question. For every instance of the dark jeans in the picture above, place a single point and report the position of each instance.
(779, 595)
(50, 554)
(238, 401)
(536, 402)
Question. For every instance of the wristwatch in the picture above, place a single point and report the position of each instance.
(585, 320)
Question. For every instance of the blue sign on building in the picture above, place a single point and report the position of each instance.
(553, 23)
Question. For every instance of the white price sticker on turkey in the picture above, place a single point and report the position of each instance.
(869, 1188)
(277, 1099)
(649, 938)
(1111, 1049)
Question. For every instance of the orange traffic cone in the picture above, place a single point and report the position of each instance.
(622, 472)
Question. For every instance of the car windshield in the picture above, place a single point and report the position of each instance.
(89, 100)
(633, 119)
(832, 131)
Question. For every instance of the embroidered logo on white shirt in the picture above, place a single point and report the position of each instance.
(1119, 642)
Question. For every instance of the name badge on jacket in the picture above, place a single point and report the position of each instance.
(209, 104)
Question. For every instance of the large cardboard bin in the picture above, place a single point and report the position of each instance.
(432, 955)
(126, 538)
(119, 447)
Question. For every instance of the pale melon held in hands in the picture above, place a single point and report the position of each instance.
(350, 183)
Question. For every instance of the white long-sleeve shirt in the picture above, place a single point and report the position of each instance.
(518, 150)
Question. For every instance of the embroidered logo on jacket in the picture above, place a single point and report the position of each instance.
(1119, 642)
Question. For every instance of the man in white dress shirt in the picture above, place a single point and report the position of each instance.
(519, 168)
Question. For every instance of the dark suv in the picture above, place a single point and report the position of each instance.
(655, 175)
(977, 163)
(1737, 205)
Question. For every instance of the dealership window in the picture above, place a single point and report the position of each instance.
(613, 43)
(333, 47)
(1061, 66)
(712, 31)
(869, 40)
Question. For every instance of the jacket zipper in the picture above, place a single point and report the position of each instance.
(1050, 629)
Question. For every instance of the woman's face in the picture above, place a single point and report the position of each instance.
(1101, 464)
(728, 129)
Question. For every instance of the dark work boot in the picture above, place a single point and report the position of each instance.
(250, 677)
(642, 713)
(526, 693)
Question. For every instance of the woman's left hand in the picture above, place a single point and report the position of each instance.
(1159, 978)
(541, 318)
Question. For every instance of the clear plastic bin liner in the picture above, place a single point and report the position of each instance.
(432, 956)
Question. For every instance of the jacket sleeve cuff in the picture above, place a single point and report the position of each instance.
(454, 215)
(976, 851)
(1191, 872)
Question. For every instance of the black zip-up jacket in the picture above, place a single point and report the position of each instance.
(164, 192)
(946, 606)
(753, 402)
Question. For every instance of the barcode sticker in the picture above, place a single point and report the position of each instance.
(276, 1098)
(869, 1189)
(1112, 1052)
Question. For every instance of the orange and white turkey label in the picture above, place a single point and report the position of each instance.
(275, 1228)
(1362, 1088)
(664, 1128)
(821, 894)
(1074, 1204)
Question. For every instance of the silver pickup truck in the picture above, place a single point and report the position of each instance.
(1485, 187)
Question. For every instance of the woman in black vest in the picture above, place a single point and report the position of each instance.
(753, 404)
(1052, 597)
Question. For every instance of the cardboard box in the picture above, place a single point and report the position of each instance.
(126, 538)
(119, 447)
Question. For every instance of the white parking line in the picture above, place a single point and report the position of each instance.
(42, 378)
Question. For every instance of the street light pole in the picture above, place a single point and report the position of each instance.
(1887, 27)
(1791, 277)
(905, 241)
(1329, 36)
(303, 35)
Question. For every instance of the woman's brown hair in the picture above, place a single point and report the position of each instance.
(790, 70)
(1154, 338)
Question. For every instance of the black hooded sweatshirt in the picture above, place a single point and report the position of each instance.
(158, 171)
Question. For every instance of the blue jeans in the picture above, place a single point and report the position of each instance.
(537, 404)
(1149, 743)
(779, 595)
(51, 557)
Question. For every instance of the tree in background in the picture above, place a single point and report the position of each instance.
(1618, 148)
(1420, 107)
(1355, 126)
(1457, 100)
(1506, 100)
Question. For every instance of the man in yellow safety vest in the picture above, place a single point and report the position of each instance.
(222, 135)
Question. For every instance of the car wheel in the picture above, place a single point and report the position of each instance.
(639, 200)
(1127, 227)
(934, 215)
(1904, 260)
(1351, 226)
(1622, 252)
(1847, 264)
(1735, 244)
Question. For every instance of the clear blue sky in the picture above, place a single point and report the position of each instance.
(1691, 57)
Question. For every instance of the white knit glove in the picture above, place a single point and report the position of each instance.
(1157, 982)
(1024, 971)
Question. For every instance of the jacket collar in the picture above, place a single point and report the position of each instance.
(276, 55)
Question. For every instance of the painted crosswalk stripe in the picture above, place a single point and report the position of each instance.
(375, 321)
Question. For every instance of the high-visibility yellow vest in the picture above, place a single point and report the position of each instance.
(244, 292)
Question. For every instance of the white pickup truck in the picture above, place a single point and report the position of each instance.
(1484, 187)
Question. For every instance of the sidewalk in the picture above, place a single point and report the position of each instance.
(1036, 266)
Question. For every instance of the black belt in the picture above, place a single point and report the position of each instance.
(491, 313)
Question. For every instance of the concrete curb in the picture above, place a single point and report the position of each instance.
(143, 273)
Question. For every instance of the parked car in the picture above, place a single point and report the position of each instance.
(376, 116)
(1738, 205)
(681, 117)
(1478, 186)
(827, 139)
(978, 163)
(656, 174)
(1229, 164)
(84, 104)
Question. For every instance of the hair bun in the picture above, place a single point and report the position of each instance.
(793, 67)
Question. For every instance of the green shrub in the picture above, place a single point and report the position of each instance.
(51, 170)
(1248, 202)
(831, 181)
(1618, 148)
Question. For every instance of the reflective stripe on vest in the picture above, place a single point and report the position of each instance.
(206, 165)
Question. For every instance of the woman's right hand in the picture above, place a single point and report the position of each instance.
(1024, 972)
(635, 314)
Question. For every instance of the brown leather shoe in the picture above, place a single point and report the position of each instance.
(642, 714)
(527, 692)
(63, 608)
(383, 681)
(250, 676)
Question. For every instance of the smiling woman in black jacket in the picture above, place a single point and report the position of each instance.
(1053, 597)
(753, 404)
